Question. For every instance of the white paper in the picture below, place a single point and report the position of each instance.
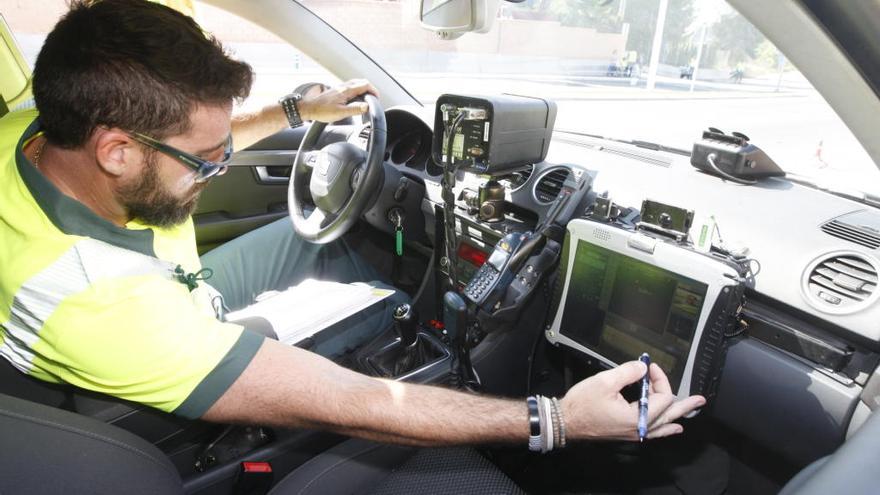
(305, 309)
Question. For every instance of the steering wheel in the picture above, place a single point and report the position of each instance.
(341, 177)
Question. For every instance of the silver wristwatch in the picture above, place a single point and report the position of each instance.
(290, 105)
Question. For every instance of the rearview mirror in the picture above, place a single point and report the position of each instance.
(452, 18)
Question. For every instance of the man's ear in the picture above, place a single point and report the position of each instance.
(116, 153)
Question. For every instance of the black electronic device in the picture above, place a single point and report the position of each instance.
(455, 321)
(732, 157)
(492, 135)
(497, 269)
(454, 317)
(488, 289)
(625, 293)
(471, 255)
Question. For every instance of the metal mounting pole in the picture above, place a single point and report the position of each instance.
(658, 41)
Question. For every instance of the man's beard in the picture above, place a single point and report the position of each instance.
(148, 202)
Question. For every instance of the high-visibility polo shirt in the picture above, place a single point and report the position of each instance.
(86, 302)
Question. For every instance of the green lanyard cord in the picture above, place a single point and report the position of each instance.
(190, 280)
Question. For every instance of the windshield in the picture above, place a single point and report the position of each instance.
(593, 57)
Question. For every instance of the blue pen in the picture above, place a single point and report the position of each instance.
(643, 400)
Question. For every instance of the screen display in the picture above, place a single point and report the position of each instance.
(620, 307)
(498, 258)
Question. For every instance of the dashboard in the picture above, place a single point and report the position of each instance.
(409, 145)
(810, 345)
(787, 229)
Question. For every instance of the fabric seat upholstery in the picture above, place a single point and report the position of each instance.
(362, 467)
(44, 450)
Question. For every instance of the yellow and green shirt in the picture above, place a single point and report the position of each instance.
(89, 303)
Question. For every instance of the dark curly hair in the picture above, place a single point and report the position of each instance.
(131, 64)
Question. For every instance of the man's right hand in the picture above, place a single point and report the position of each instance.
(335, 103)
(594, 409)
(291, 387)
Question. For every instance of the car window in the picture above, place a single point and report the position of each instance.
(593, 58)
(278, 66)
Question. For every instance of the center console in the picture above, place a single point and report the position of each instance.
(475, 243)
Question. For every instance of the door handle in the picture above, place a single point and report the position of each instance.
(265, 177)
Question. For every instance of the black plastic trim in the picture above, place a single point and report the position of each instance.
(811, 324)
(769, 328)
(853, 26)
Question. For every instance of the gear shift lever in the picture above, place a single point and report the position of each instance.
(405, 322)
(412, 352)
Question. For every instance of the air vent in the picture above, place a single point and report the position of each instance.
(841, 283)
(861, 235)
(518, 179)
(365, 132)
(549, 185)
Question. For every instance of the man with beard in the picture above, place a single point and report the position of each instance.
(101, 285)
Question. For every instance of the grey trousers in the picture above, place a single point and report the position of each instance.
(273, 257)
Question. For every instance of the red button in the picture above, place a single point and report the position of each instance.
(256, 467)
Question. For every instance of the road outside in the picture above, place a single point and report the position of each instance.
(794, 125)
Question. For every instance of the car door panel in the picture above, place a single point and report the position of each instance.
(252, 193)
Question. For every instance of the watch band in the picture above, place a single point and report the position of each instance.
(289, 105)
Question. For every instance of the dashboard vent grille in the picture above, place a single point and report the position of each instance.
(517, 179)
(550, 184)
(842, 281)
(852, 233)
(366, 132)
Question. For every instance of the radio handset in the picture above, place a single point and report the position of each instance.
(489, 284)
(498, 271)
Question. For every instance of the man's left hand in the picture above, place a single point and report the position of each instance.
(335, 103)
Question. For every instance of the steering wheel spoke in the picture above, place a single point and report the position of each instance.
(361, 136)
(317, 221)
(310, 158)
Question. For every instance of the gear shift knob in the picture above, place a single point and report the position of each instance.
(405, 323)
